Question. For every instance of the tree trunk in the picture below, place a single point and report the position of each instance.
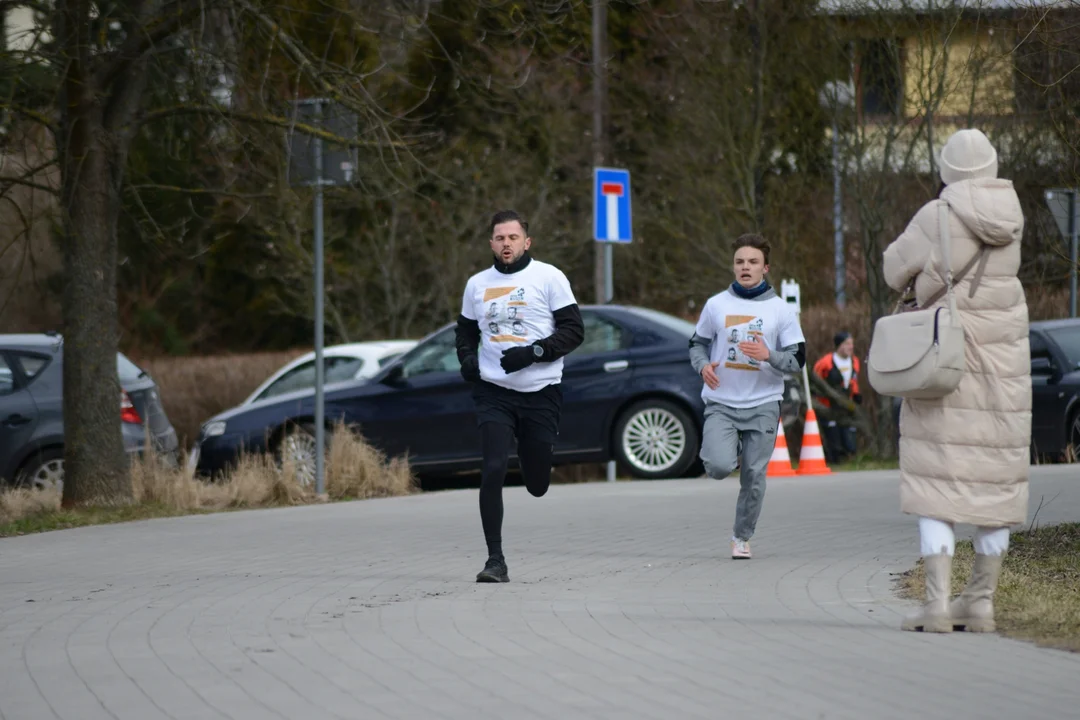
(95, 466)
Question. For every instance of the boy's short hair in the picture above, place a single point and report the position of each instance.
(753, 240)
(505, 216)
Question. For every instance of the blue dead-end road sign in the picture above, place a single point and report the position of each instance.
(611, 205)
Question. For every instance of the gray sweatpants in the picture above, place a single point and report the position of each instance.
(755, 428)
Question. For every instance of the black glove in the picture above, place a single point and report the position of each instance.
(470, 369)
(517, 358)
(857, 398)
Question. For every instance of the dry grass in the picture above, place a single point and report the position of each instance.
(1038, 596)
(354, 470)
(194, 389)
(19, 503)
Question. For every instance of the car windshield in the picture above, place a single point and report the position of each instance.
(1068, 339)
(683, 327)
(127, 370)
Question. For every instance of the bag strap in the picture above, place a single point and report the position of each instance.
(946, 247)
(980, 258)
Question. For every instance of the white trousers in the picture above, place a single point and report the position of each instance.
(939, 538)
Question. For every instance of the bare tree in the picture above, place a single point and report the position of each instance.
(918, 71)
(236, 61)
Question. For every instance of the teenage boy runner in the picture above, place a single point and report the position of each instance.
(518, 320)
(745, 339)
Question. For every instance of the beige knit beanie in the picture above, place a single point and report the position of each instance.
(967, 155)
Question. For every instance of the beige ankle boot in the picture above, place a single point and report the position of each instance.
(973, 610)
(934, 616)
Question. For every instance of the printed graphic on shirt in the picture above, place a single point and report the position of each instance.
(493, 293)
(505, 309)
(733, 320)
(743, 328)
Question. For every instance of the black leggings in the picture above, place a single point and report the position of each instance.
(534, 458)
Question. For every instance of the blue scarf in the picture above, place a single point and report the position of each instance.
(749, 293)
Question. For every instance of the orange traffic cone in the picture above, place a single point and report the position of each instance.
(812, 454)
(780, 462)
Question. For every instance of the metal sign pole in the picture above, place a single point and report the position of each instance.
(609, 293)
(612, 223)
(318, 164)
(320, 431)
(1062, 204)
(1073, 222)
(609, 273)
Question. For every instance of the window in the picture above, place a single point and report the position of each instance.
(302, 377)
(1038, 346)
(437, 355)
(32, 365)
(1068, 339)
(600, 335)
(880, 77)
(340, 369)
(1042, 362)
(7, 378)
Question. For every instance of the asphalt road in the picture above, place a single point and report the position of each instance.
(623, 603)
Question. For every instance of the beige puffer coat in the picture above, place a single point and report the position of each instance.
(965, 457)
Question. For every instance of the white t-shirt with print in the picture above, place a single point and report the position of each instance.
(516, 310)
(727, 320)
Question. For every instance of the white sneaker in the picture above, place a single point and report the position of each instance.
(740, 549)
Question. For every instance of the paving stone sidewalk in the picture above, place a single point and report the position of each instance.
(623, 603)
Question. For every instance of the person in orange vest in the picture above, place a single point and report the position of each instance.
(840, 370)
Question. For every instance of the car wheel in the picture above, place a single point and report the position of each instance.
(297, 446)
(43, 471)
(656, 439)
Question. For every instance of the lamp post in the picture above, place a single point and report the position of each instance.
(834, 97)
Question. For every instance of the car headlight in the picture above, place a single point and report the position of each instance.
(214, 429)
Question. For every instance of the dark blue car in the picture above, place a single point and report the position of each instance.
(629, 394)
(1055, 389)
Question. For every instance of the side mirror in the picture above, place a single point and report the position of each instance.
(395, 375)
(1042, 366)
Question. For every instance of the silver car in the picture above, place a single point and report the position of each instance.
(31, 411)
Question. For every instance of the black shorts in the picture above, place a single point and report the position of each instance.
(532, 415)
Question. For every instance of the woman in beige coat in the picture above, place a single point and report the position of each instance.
(964, 458)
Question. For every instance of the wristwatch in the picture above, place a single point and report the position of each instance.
(538, 351)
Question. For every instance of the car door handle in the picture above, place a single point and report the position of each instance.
(616, 366)
(16, 420)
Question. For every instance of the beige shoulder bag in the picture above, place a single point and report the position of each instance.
(920, 353)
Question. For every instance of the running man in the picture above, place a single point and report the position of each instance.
(746, 338)
(530, 322)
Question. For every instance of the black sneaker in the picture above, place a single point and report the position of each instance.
(494, 571)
